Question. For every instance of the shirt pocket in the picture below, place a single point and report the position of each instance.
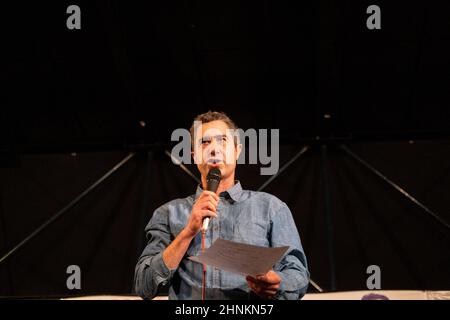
(252, 232)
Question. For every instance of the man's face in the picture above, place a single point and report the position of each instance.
(214, 147)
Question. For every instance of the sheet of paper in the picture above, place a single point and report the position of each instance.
(240, 258)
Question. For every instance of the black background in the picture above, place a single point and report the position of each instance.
(73, 100)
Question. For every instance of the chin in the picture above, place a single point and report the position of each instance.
(220, 166)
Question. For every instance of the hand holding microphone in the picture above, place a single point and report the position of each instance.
(205, 206)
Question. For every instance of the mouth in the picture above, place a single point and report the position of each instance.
(214, 161)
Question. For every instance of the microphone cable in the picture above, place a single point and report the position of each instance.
(204, 266)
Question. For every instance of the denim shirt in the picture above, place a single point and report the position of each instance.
(256, 218)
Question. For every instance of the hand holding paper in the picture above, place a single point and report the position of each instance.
(265, 286)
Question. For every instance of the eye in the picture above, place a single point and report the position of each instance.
(205, 141)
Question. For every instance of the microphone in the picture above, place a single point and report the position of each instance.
(212, 183)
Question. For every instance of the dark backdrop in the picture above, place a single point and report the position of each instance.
(74, 102)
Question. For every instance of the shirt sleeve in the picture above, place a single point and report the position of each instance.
(151, 273)
(292, 268)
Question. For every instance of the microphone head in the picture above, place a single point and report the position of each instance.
(213, 179)
(214, 174)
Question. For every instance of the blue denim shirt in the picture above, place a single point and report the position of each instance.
(256, 218)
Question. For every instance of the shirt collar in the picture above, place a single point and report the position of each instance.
(233, 193)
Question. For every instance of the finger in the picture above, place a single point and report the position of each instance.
(211, 194)
(208, 213)
(211, 198)
(253, 285)
(266, 286)
(270, 277)
(208, 205)
(254, 288)
(207, 199)
(269, 292)
(268, 295)
(263, 293)
(213, 204)
(263, 285)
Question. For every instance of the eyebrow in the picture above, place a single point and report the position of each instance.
(209, 137)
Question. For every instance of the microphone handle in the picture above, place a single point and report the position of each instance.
(212, 185)
(205, 224)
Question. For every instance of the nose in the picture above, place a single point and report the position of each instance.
(215, 148)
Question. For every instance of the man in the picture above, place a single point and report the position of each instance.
(235, 214)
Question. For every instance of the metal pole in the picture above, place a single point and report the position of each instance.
(287, 164)
(148, 158)
(66, 208)
(315, 285)
(328, 221)
(396, 187)
(183, 167)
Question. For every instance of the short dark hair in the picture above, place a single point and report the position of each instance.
(213, 116)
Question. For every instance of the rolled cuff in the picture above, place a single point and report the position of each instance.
(157, 264)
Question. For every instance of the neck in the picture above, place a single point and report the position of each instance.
(224, 185)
